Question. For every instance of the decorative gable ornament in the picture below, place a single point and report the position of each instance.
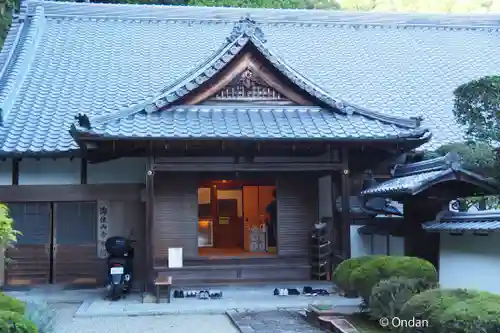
(248, 86)
(246, 27)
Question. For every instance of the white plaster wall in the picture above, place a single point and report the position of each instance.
(325, 196)
(6, 172)
(62, 171)
(360, 244)
(397, 246)
(470, 262)
(122, 170)
(379, 244)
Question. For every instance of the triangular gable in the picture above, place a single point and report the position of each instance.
(244, 55)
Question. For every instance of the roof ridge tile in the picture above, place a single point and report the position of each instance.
(268, 15)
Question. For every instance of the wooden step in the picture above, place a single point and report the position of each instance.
(261, 272)
(246, 261)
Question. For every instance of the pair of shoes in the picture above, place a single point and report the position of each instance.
(178, 294)
(204, 294)
(321, 292)
(190, 294)
(280, 292)
(307, 290)
(215, 294)
(293, 291)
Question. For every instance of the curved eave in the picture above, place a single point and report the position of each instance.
(413, 139)
(487, 186)
(482, 222)
(72, 153)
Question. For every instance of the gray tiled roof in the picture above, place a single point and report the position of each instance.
(460, 222)
(413, 178)
(289, 122)
(97, 58)
(404, 184)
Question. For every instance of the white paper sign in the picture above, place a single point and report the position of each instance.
(175, 257)
(102, 227)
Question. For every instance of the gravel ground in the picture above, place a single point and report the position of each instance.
(145, 324)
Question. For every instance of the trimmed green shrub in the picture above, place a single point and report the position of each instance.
(389, 296)
(12, 304)
(13, 322)
(365, 277)
(431, 305)
(342, 274)
(42, 315)
(471, 316)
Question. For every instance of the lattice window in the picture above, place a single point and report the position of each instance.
(248, 87)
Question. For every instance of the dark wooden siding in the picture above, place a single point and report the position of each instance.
(175, 213)
(297, 198)
(75, 240)
(30, 258)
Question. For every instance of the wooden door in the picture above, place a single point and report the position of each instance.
(30, 259)
(250, 212)
(228, 226)
(75, 258)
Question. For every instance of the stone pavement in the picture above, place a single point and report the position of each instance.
(57, 294)
(253, 307)
(277, 321)
(255, 298)
(67, 323)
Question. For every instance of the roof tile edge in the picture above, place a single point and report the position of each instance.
(25, 52)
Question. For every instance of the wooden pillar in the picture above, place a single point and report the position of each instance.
(346, 209)
(148, 232)
(335, 227)
(418, 242)
(83, 171)
(15, 172)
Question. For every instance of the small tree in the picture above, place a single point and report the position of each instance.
(8, 235)
(477, 106)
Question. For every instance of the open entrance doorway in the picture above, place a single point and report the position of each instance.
(236, 218)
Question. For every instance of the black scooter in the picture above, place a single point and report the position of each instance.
(120, 261)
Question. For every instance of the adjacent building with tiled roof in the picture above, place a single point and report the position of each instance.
(106, 107)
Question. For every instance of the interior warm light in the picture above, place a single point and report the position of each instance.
(204, 223)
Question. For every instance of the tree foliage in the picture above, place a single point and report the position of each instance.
(289, 4)
(477, 106)
(477, 157)
(427, 6)
(8, 235)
